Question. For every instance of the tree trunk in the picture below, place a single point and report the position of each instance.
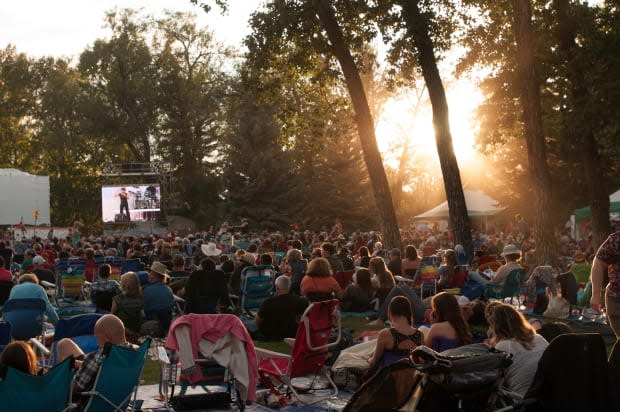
(532, 122)
(365, 125)
(590, 157)
(417, 25)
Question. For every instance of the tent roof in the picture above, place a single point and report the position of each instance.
(614, 207)
(13, 172)
(478, 204)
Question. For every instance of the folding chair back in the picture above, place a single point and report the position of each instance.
(70, 277)
(510, 288)
(25, 316)
(428, 274)
(118, 378)
(131, 265)
(115, 262)
(345, 278)
(81, 330)
(5, 291)
(20, 391)
(318, 330)
(257, 284)
(5, 334)
(572, 375)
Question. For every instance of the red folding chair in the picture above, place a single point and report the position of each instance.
(345, 278)
(319, 329)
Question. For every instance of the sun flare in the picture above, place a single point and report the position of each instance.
(403, 122)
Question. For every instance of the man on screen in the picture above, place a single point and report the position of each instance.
(124, 196)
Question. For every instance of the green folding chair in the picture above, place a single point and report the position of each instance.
(117, 380)
(20, 391)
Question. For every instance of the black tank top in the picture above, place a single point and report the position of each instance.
(415, 337)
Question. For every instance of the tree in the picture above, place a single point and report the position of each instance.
(121, 78)
(365, 125)
(192, 93)
(529, 86)
(418, 28)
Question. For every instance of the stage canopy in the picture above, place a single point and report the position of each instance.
(614, 207)
(478, 205)
(22, 194)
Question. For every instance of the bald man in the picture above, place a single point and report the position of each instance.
(108, 329)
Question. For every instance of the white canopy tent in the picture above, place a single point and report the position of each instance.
(478, 205)
(22, 194)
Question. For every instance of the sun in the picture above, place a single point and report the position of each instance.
(404, 121)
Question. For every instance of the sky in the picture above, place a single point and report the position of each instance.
(64, 28)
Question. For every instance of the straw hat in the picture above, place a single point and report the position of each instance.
(511, 250)
(160, 269)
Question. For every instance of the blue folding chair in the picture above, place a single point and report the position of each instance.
(80, 329)
(5, 334)
(257, 285)
(26, 317)
(20, 391)
(118, 378)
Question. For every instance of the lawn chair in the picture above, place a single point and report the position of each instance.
(5, 334)
(344, 278)
(70, 278)
(20, 391)
(572, 375)
(131, 265)
(80, 329)
(319, 330)
(428, 276)
(510, 288)
(5, 291)
(257, 285)
(217, 368)
(117, 380)
(26, 317)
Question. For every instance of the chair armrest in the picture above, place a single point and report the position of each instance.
(162, 355)
(178, 299)
(47, 285)
(39, 346)
(267, 354)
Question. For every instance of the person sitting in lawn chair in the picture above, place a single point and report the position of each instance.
(108, 329)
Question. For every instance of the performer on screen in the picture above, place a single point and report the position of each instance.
(124, 196)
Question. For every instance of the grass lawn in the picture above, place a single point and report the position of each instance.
(150, 374)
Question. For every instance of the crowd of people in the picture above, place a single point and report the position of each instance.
(202, 273)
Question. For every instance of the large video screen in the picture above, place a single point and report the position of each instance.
(130, 203)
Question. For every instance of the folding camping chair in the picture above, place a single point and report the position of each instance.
(428, 275)
(257, 285)
(208, 373)
(5, 291)
(70, 278)
(26, 317)
(117, 380)
(81, 330)
(5, 334)
(510, 288)
(344, 278)
(572, 375)
(319, 330)
(20, 391)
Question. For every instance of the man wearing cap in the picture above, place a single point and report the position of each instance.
(39, 269)
(158, 297)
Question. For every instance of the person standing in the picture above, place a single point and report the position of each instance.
(608, 258)
(124, 197)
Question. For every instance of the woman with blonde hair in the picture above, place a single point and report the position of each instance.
(319, 282)
(129, 306)
(510, 332)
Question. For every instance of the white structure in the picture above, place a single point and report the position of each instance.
(22, 194)
(478, 205)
